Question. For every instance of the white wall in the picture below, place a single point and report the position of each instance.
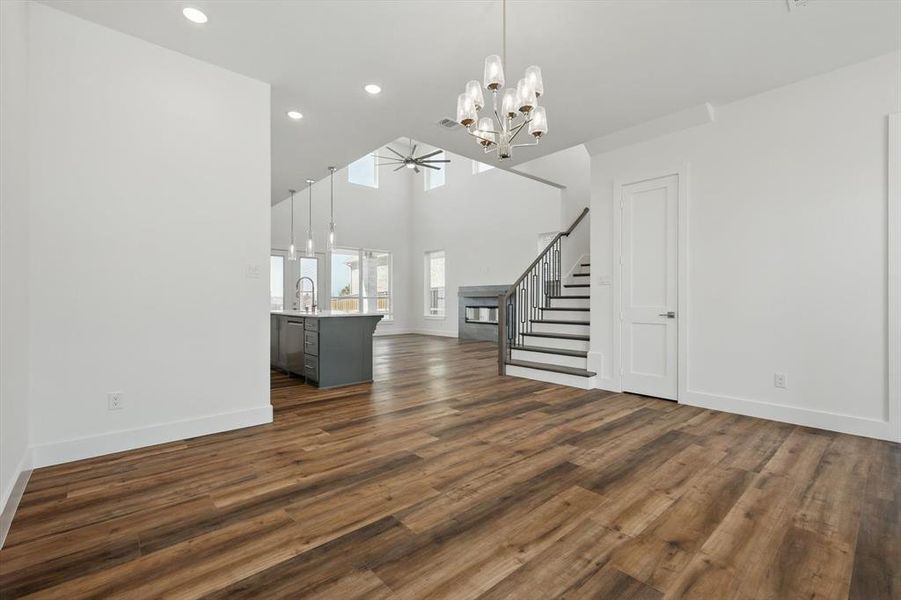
(487, 224)
(149, 192)
(13, 246)
(786, 250)
(572, 168)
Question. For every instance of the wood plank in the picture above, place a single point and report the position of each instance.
(442, 479)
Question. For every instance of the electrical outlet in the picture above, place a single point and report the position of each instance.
(780, 380)
(115, 401)
(253, 271)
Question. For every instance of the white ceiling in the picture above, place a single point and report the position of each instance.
(606, 64)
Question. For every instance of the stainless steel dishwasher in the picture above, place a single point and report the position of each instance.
(295, 346)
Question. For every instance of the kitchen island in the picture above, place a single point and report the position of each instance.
(327, 349)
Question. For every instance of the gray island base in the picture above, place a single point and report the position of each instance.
(327, 349)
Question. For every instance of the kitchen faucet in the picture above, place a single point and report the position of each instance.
(297, 291)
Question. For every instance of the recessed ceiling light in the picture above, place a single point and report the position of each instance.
(295, 115)
(194, 15)
(372, 88)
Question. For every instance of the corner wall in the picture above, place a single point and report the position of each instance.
(14, 305)
(786, 251)
(149, 185)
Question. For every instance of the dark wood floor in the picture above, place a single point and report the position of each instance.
(443, 480)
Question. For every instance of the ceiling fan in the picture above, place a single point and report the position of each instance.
(411, 161)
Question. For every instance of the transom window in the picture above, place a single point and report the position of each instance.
(364, 172)
(433, 178)
(480, 167)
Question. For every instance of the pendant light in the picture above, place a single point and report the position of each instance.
(292, 252)
(331, 225)
(310, 230)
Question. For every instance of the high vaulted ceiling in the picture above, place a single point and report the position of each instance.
(606, 64)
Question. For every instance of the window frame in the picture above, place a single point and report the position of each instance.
(429, 173)
(477, 167)
(361, 299)
(273, 253)
(427, 285)
(375, 172)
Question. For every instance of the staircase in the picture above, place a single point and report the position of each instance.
(544, 321)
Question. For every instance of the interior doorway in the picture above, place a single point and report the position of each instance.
(648, 290)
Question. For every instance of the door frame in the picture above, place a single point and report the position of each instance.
(681, 171)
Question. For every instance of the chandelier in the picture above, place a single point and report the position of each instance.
(512, 109)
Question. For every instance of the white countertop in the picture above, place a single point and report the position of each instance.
(322, 314)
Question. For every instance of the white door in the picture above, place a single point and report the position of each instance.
(648, 302)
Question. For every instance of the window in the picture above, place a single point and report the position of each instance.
(276, 283)
(480, 167)
(364, 172)
(434, 284)
(433, 178)
(361, 281)
(376, 282)
(303, 291)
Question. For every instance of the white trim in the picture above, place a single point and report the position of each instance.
(54, 453)
(795, 415)
(893, 264)
(13, 494)
(614, 381)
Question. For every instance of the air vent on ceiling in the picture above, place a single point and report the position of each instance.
(793, 4)
(448, 123)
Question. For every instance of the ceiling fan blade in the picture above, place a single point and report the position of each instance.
(429, 166)
(396, 152)
(416, 169)
(413, 149)
(398, 168)
(429, 154)
(433, 160)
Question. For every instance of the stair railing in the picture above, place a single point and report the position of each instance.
(523, 301)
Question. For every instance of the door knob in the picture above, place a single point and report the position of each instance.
(669, 315)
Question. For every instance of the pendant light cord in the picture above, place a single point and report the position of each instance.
(504, 30)
(292, 217)
(332, 194)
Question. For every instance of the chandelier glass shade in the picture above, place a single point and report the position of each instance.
(512, 109)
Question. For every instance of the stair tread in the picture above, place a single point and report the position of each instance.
(575, 285)
(554, 368)
(546, 350)
(562, 336)
(564, 307)
(585, 264)
(575, 297)
(581, 274)
(560, 322)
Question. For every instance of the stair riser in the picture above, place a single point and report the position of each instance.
(575, 291)
(561, 328)
(566, 315)
(585, 383)
(531, 340)
(551, 359)
(570, 302)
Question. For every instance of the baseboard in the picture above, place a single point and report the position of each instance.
(872, 428)
(54, 453)
(438, 332)
(13, 495)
